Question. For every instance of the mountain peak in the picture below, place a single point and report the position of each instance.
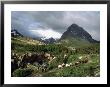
(74, 25)
(75, 31)
(49, 40)
(14, 32)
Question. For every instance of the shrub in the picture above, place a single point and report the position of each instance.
(22, 72)
(53, 64)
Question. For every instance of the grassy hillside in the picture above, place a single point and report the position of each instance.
(28, 54)
(75, 42)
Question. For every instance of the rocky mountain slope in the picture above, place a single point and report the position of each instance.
(75, 31)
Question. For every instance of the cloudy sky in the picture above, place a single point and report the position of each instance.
(53, 23)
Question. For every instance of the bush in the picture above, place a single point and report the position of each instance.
(22, 72)
(53, 64)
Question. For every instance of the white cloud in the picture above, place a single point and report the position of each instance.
(47, 33)
(95, 35)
